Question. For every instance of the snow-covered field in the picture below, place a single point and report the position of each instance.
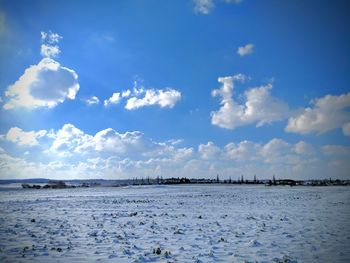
(205, 223)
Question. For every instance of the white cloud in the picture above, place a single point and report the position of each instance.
(336, 150)
(68, 139)
(130, 144)
(107, 154)
(50, 37)
(49, 51)
(276, 156)
(243, 151)
(175, 141)
(126, 93)
(206, 6)
(275, 147)
(43, 35)
(245, 50)
(260, 107)
(137, 91)
(209, 151)
(109, 140)
(17, 135)
(164, 98)
(203, 6)
(325, 114)
(139, 97)
(111, 155)
(48, 47)
(2, 150)
(337, 160)
(92, 100)
(304, 148)
(114, 99)
(43, 85)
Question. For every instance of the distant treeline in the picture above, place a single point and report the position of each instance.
(43, 183)
(241, 180)
(58, 185)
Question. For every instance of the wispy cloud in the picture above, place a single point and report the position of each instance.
(206, 6)
(92, 100)
(245, 50)
(203, 6)
(49, 51)
(48, 47)
(50, 37)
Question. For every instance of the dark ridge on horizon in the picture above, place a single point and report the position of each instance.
(178, 180)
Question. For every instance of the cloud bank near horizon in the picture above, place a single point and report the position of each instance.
(71, 153)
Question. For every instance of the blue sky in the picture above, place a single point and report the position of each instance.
(200, 88)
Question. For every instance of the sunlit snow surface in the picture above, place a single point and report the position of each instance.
(213, 223)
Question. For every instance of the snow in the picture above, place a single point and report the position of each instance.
(189, 223)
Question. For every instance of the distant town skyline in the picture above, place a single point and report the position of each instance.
(191, 88)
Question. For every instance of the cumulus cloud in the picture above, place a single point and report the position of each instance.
(70, 140)
(139, 96)
(325, 114)
(275, 150)
(109, 140)
(43, 85)
(304, 148)
(49, 51)
(242, 151)
(209, 151)
(20, 137)
(126, 93)
(92, 100)
(277, 156)
(245, 50)
(260, 106)
(164, 98)
(114, 99)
